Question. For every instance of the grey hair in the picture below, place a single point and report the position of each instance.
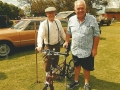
(79, 1)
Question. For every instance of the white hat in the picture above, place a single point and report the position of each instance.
(50, 9)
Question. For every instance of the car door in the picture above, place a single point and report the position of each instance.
(28, 34)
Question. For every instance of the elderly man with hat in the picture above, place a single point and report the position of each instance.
(49, 33)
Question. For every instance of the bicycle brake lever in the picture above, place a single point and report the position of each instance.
(67, 53)
(68, 48)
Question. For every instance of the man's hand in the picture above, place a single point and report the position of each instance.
(65, 45)
(94, 52)
(38, 49)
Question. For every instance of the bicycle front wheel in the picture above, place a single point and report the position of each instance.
(70, 69)
(45, 87)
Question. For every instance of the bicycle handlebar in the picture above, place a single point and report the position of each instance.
(52, 52)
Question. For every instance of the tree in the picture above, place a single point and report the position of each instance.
(9, 10)
(21, 12)
(1, 7)
(37, 7)
(90, 10)
(65, 5)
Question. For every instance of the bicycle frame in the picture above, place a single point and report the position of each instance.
(61, 69)
(49, 78)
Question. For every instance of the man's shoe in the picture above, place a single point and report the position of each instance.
(87, 87)
(45, 87)
(72, 85)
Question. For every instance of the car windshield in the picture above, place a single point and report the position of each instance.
(64, 14)
(20, 24)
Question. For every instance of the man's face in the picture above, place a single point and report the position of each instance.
(51, 15)
(80, 10)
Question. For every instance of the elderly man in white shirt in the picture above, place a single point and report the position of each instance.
(49, 32)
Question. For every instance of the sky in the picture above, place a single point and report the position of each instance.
(14, 2)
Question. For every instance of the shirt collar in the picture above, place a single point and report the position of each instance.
(84, 18)
(50, 21)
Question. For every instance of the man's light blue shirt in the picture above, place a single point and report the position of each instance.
(82, 35)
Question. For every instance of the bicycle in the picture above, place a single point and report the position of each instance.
(63, 69)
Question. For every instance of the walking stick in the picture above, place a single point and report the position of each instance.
(36, 52)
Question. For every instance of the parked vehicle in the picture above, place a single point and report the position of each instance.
(20, 35)
(65, 14)
(103, 20)
(5, 22)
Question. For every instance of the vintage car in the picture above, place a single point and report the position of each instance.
(20, 35)
(65, 14)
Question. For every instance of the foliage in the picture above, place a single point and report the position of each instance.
(10, 10)
(65, 5)
(37, 7)
(105, 3)
(89, 7)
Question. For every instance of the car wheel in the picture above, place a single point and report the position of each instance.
(5, 49)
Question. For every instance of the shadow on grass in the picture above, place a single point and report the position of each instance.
(2, 76)
(24, 50)
(97, 84)
(18, 52)
(102, 38)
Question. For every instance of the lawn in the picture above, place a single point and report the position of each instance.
(18, 72)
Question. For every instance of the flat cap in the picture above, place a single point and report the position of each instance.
(50, 9)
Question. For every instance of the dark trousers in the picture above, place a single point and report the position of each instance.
(51, 59)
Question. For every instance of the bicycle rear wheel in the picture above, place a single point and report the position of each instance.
(70, 69)
(59, 70)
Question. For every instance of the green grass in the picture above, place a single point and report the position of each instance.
(18, 72)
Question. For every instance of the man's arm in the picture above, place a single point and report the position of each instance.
(40, 36)
(95, 45)
(67, 40)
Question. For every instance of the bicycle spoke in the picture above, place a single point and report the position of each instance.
(70, 69)
(71, 63)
